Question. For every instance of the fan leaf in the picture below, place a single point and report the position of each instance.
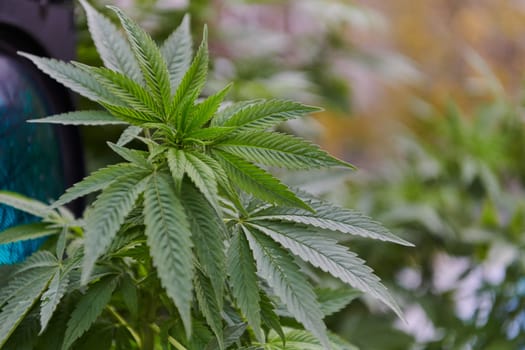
(81, 118)
(131, 93)
(149, 58)
(96, 181)
(51, 297)
(74, 78)
(136, 157)
(26, 231)
(331, 217)
(88, 309)
(19, 305)
(252, 179)
(130, 133)
(111, 45)
(169, 238)
(177, 52)
(243, 282)
(277, 267)
(209, 307)
(107, 215)
(280, 150)
(208, 234)
(191, 85)
(330, 257)
(205, 110)
(204, 179)
(228, 110)
(266, 113)
(25, 204)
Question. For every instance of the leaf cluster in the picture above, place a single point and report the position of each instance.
(191, 243)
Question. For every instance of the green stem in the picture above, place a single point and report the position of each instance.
(124, 323)
(172, 340)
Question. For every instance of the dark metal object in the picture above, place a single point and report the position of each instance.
(46, 28)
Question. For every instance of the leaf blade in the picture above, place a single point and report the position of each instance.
(108, 214)
(331, 217)
(208, 232)
(51, 297)
(288, 283)
(87, 310)
(209, 306)
(89, 118)
(177, 52)
(25, 204)
(149, 58)
(191, 85)
(74, 78)
(266, 113)
(243, 282)
(96, 181)
(112, 47)
(330, 257)
(17, 307)
(169, 238)
(257, 181)
(26, 231)
(281, 150)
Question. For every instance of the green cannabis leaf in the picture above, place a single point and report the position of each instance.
(191, 242)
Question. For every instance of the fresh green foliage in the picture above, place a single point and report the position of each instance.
(190, 243)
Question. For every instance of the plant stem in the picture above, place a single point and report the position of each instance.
(124, 323)
(172, 340)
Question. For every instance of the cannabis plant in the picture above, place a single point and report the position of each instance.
(191, 243)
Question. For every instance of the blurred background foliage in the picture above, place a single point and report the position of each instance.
(425, 97)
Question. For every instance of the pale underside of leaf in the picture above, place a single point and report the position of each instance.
(25, 204)
(51, 297)
(95, 117)
(26, 231)
(19, 305)
(128, 135)
(73, 78)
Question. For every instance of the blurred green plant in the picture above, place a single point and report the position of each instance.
(457, 192)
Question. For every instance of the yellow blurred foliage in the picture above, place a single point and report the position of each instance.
(435, 35)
